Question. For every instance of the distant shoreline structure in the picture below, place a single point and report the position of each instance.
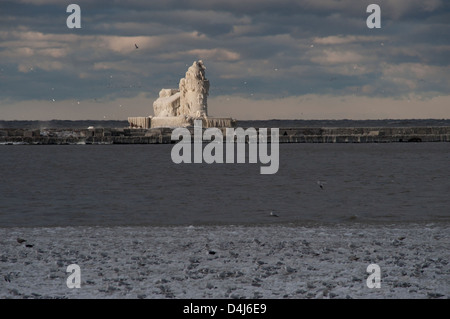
(81, 124)
(57, 132)
(180, 107)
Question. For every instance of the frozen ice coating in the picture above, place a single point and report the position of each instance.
(168, 103)
(194, 90)
(190, 99)
(180, 107)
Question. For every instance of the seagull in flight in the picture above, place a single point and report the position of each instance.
(136, 46)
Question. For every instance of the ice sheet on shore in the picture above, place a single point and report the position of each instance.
(226, 262)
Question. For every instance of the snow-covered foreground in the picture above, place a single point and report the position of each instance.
(227, 261)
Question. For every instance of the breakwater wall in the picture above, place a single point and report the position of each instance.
(286, 135)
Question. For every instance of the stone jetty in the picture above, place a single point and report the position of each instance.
(11, 136)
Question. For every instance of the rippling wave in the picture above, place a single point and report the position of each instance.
(140, 185)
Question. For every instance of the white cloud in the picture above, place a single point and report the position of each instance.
(329, 56)
(346, 39)
(412, 75)
(215, 54)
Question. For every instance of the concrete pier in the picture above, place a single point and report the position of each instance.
(365, 134)
(178, 121)
(139, 122)
(11, 136)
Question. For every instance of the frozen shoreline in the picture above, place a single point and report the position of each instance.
(276, 261)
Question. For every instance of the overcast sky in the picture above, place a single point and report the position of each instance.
(297, 59)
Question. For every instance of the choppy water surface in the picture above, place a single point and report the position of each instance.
(139, 185)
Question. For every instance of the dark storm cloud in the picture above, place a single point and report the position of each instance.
(260, 47)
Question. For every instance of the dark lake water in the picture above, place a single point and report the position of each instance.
(140, 185)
